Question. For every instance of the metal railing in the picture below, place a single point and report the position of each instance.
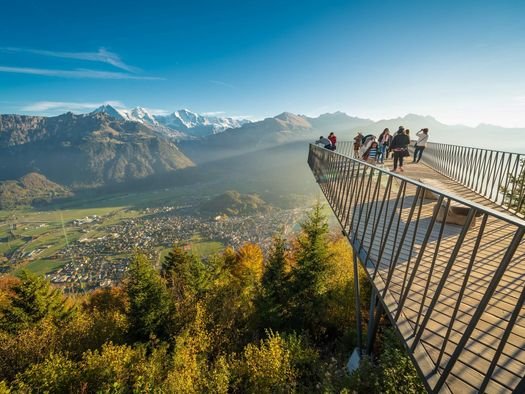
(490, 173)
(449, 273)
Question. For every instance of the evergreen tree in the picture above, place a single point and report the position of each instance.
(33, 300)
(149, 302)
(313, 257)
(272, 303)
(184, 274)
(187, 281)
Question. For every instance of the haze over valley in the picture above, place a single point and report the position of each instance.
(121, 163)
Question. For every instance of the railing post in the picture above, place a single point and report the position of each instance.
(357, 297)
(376, 310)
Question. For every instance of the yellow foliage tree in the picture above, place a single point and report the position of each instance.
(268, 368)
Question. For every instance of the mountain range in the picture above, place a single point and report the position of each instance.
(181, 124)
(84, 150)
(292, 128)
(282, 129)
(110, 147)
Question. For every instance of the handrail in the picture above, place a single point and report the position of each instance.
(472, 204)
(488, 172)
(423, 262)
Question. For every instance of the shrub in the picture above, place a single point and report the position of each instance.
(123, 368)
(29, 346)
(56, 374)
(268, 368)
(393, 373)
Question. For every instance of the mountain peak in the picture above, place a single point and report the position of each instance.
(140, 114)
(109, 110)
(289, 119)
(186, 111)
(105, 108)
(416, 117)
(286, 115)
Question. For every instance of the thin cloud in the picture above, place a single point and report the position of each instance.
(221, 83)
(41, 106)
(246, 117)
(158, 111)
(79, 73)
(223, 114)
(213, 113)
(102, 56)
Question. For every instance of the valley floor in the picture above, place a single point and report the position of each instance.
(86, 244)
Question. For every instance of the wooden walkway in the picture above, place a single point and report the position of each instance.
(432, 276)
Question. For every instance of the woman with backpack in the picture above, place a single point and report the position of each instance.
(399, 146)
(384, 145)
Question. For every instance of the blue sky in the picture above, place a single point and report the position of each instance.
(460, 61)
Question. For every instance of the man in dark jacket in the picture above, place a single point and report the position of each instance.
(399, 146)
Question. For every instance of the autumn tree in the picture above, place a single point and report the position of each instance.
(230, 303)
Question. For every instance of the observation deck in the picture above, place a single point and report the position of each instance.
(442, 244)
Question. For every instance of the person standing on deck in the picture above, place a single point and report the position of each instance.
(372, 154)
(333, 139)
(421, 144)
(399, 146)
(357, 144)
(384, 145)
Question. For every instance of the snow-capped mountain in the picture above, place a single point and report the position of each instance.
(111, 111)
(199, 125)
(180, 124)
(137, 114)
(140, 114)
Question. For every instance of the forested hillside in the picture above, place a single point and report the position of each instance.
(235, 203)
(31, 188)
(235, 323)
